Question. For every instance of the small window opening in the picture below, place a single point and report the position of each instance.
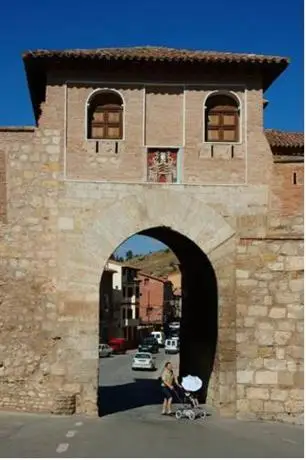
(294, 178)
(105, 116)
(221, 119)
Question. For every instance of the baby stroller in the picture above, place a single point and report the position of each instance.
(190, 406)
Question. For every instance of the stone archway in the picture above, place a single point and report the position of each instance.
(153, 208)
(116, 221)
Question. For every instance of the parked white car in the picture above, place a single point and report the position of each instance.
(172, 345)
(105, 350)
(144, 361)
(160, 337)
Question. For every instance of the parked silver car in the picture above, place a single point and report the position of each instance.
(144, 361)
(105, 350)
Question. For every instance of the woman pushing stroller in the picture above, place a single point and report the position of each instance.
(168, 380)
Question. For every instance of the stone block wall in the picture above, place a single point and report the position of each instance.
(56, 236)
(222, 388)
(269, 329)
(3, 186)
(31, 339)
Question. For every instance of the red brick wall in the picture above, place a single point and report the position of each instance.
(151, 295)
(287, 198)
(162, 117)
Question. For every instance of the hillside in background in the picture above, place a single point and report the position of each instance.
(160, 263)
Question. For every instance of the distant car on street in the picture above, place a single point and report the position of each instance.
(172, 345)
(174, 325)
(149, 344)
(144, 361)
(160, 337)
(174, 333)
(105, 350)
(119, 345)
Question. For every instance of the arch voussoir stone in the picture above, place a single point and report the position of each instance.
(189, 216)
(136, 212)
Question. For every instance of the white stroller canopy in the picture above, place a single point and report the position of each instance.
(191, 383)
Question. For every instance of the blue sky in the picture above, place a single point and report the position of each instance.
(261, 26)
(139, 245)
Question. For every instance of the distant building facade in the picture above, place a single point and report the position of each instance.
(176, 279)
(125, 287)
(155, 299)
(106, 306)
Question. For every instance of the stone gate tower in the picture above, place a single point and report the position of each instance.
(170, 143)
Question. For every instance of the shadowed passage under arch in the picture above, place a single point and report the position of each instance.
(199, 320)
(199, 323)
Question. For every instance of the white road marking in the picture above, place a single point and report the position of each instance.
(289, 440)
(79, 424)
(62, 448)
(70, 433)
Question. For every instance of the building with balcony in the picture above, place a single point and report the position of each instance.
(125, 300)
(176, 279)
(107, 326)
(155, 299)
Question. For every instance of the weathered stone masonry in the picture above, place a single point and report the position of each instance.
(65, 209)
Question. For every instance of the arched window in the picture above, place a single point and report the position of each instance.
(105, 116)
(221, 119)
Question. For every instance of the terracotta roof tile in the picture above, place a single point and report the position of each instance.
(153, 53)
(39, 62)
(157, 278)
(284, 139)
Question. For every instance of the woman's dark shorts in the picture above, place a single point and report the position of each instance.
(166, 392)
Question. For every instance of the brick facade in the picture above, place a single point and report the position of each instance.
(152, 299)
(67, 203)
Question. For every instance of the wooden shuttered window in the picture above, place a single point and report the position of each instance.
(222, 120)
(105, 117)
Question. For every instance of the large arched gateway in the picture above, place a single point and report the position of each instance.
(153, 141)
(204, 244)
(199, 311)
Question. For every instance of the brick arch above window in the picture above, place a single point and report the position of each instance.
(105, 111)
(222, 118)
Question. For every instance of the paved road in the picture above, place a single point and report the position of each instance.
(122, 389)
(133, 427)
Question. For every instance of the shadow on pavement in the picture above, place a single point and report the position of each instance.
(119, 398)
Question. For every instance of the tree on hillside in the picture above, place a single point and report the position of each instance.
(129, 255)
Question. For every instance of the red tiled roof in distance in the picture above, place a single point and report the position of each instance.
(157, 278)
(285, 139)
